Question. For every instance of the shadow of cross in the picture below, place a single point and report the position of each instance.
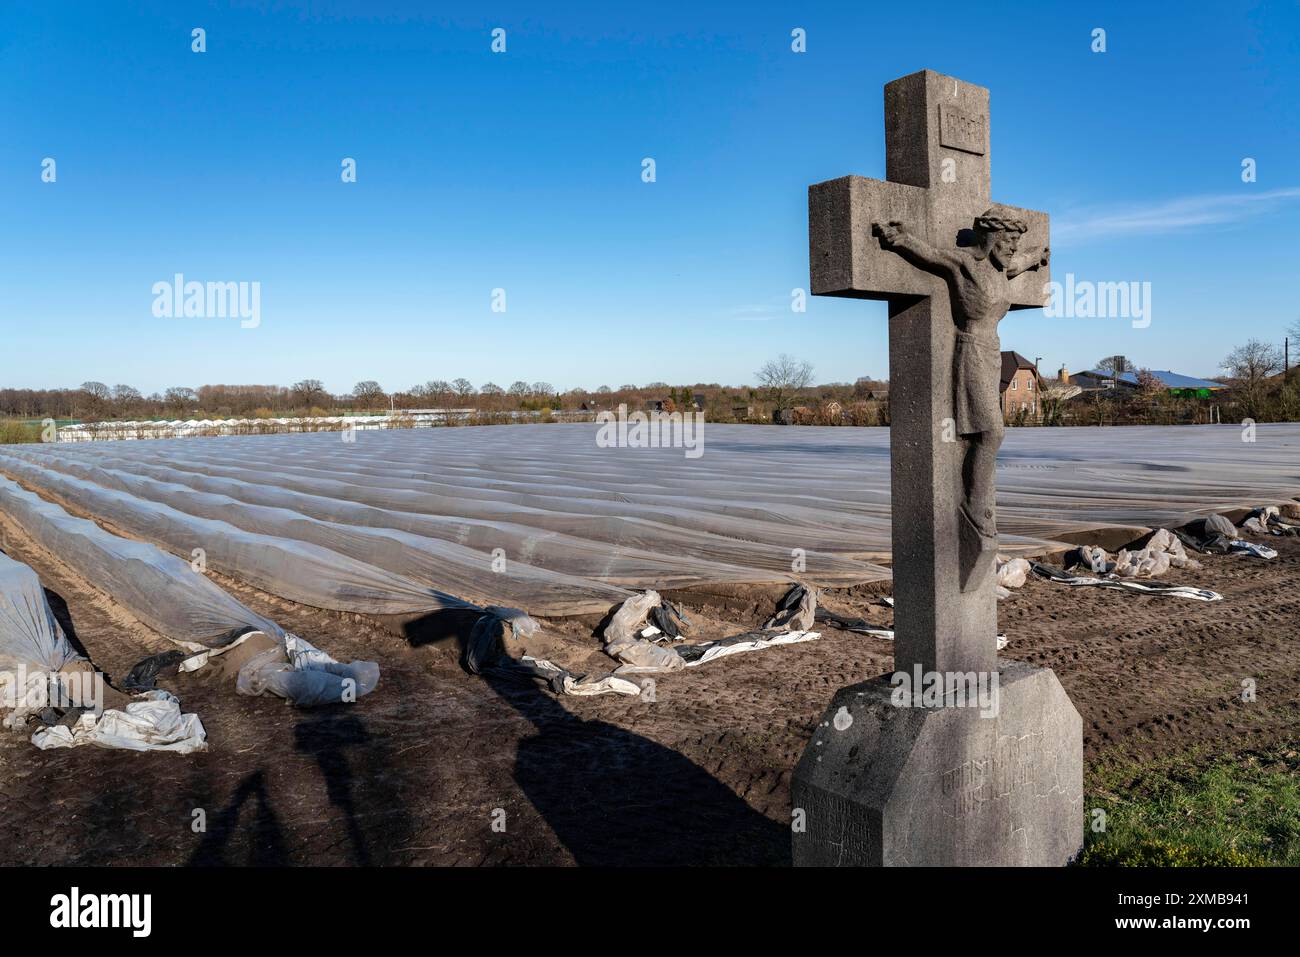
(937, 164)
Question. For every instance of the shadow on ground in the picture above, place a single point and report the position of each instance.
(614, 797)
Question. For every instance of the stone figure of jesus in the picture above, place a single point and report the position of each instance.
(977, 278)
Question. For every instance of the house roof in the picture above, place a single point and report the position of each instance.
(1170, 380)
(1013, 362)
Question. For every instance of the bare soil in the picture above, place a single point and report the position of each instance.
(420, 771)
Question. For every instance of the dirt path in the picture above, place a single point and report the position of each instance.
(418, 772)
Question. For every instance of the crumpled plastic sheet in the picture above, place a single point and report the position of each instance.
(487, 650)
(622, 640)
(1011, 573)
(1215, 534)
(1125, 584)
(1268, 520)
(638, 656)
(309, 677)
(33, 649)
(565, 682)
(796, 611)
(1164, 551)
(486, 645)
(707, 651)
(153, 722)
(1220, 525)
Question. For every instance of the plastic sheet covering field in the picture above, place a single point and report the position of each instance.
(167, 594)
(30, 637)
(159, 589)
(541, 518)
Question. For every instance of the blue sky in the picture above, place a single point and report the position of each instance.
(522, 171)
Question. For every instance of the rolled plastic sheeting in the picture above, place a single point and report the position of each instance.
(161, 590)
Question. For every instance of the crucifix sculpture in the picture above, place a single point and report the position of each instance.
(893, 780)
(950, 264)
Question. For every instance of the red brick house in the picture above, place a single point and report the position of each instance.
(1020, 386)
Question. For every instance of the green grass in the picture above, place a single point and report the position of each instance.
(1238, 811)
(13, 431)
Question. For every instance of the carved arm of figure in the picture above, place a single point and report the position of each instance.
(1030, 262)
(895, 237)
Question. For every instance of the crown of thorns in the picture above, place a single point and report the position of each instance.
(996, 221)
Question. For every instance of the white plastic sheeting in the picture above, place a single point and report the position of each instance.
(1126, 584)
(160, 589)
(712, 650)
(553, 501)
(564, 682)
(153, 722)
(1011, 573)
(308, 677)
(31, 640)
(169, 596)
(1269, 521)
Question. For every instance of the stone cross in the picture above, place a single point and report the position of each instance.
(902, 779)
(937, 163)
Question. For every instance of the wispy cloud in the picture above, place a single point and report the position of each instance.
(1169, 216)
(759, 313)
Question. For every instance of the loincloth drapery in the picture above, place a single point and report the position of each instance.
(977, 383)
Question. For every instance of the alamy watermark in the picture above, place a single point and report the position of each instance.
(24, 691)
(75, 909)
(651, 430)
(211, 300)
(945, 689)
(1085, 299)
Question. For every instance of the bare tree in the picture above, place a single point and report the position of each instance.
(519, 388)
(603, 390)
(783, 377)
(97, 393)
(464, 388)
(1249, 367)
(126, 398)
(180, 397)
(1114, 366)
(491, 388)
(439, 390)
(543, 388)
(369, 394)
(308, 392)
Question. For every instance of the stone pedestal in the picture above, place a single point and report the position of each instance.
(886, 785)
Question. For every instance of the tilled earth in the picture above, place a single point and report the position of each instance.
(441, 767)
